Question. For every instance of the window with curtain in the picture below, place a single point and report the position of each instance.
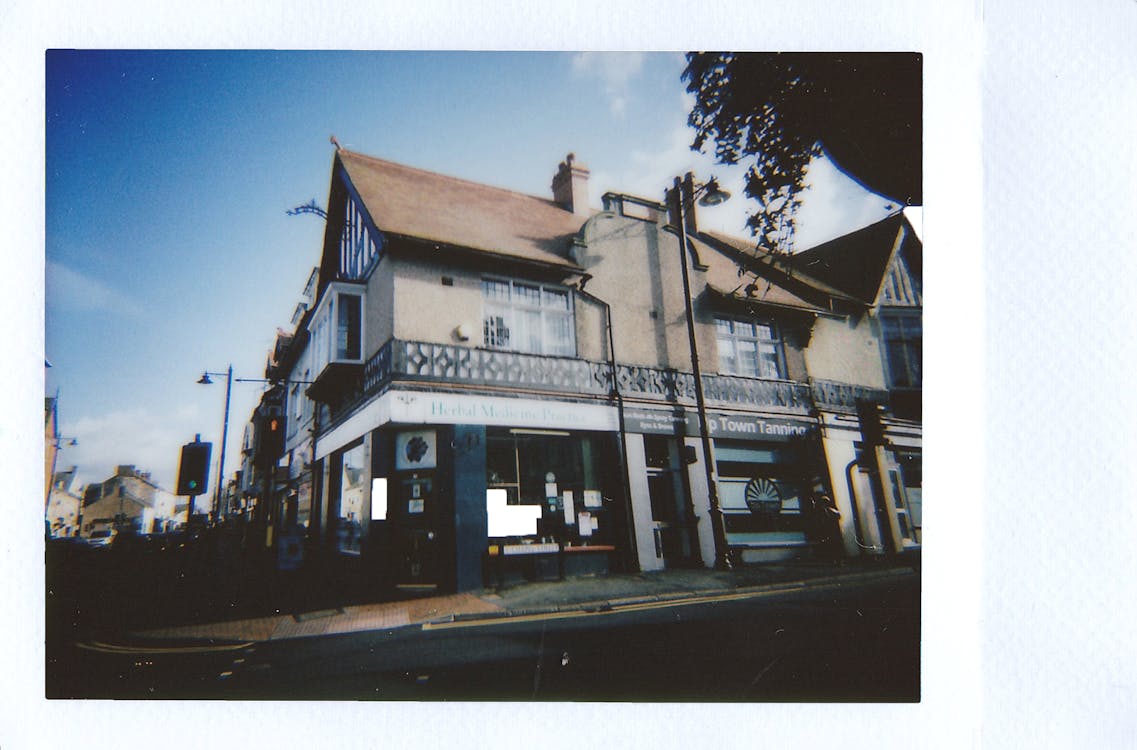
(751, 349)
(530, 318)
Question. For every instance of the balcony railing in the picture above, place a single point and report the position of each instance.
(421, 362)
(834, 396)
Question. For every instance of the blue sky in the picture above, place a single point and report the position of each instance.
(168, 175)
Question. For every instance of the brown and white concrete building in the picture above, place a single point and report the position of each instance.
(483, 383)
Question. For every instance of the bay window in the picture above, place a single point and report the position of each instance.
(337, 327)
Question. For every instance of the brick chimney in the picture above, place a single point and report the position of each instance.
(570, 186)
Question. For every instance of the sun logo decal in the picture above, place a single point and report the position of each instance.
(416, 449)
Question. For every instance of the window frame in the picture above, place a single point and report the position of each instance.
(324, 328)
(777, 341)
(902, 316)
(505, 313)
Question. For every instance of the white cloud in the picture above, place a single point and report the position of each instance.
(615, 71)
(71, 290)
(150, 442)
(650, 172)
(832, 205)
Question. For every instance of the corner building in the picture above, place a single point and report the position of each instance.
(500, 385)
(464, 424)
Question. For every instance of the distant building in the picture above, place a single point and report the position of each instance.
(50, 444)
(129, 500)
(63, 506)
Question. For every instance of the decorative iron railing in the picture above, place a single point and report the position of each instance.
(834, 396)
(417, 361)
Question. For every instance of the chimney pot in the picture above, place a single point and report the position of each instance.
(570, 186)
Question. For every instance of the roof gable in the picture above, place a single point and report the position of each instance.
(859, 262)
(724, 278)
(770, 271)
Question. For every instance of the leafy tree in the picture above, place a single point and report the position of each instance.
(780, 110)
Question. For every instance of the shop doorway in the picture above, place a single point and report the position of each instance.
(672, 517)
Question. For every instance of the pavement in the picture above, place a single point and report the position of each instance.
(569, 597)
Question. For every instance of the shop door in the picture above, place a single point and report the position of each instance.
(672, 518)
(419, 539)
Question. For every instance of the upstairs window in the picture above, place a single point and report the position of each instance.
(530, 318)
(903, 338)
(752, 349)
(337, 327)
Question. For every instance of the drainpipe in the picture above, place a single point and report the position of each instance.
(633, 549)
(857, 533)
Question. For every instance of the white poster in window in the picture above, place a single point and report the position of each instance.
(592, 499)
(416, 450)
(550, 490)
(584, 524)
(570, 510)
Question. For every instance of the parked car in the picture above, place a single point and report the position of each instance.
(102, 538)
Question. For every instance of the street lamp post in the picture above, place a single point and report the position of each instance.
(229, 380)
(680, 193)
(205, 380)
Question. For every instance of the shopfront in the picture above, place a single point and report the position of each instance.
(768, 470)
(534, 489)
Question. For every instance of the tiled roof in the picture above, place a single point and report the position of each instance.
(723, 277)
(768, 266)
(856, 262)
(425, 205)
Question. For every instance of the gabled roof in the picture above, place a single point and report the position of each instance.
(856, 263)
(774, 271)
(414, 203)
(724, 279)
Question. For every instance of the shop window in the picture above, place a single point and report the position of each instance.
(353, 479)
(540, 485)
(902, 333)
(762, 490)
(751, 349)
(529, 318)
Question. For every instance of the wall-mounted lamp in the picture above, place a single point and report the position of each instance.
(463, 332)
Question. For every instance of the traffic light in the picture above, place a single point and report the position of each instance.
(193, 472)
(272, 437)
(872, 430)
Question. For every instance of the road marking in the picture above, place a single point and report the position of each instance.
(616, 609)
(110, 648)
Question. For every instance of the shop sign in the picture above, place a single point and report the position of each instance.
(447, 408)
(741, 426)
